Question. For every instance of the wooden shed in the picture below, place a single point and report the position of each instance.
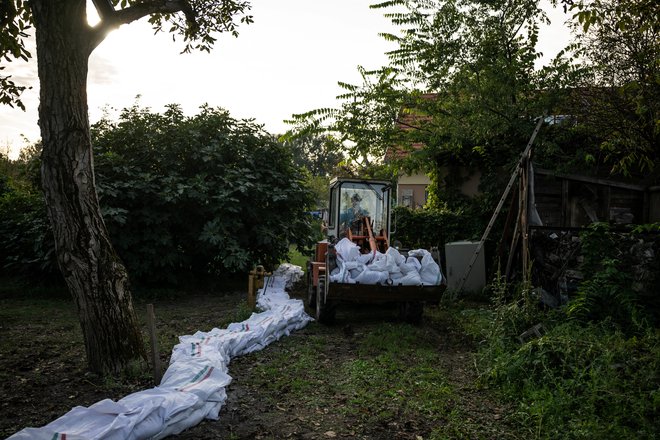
(572, 200)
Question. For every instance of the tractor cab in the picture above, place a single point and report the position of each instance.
(360, 211)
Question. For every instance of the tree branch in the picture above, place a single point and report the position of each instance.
(112, 19)
(104, 8)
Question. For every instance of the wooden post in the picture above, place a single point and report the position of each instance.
(524, 197)
(252, 299)
(514, 247)
(565, 205)
(255, 282)
(155, 355)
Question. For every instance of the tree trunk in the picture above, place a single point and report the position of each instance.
(94, 274)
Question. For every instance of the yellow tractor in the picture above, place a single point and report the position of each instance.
(357, 263)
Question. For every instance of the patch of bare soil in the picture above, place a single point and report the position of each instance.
(278, 393)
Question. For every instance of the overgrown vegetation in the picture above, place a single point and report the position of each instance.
(185, 199)
(594, 371)
(197, 195)
(27, 248)
(425, 228)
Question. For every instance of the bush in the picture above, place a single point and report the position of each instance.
(27, 248)
(184, 197)
(582, 378)
(618, 283)
(584, 382)
(424, 228)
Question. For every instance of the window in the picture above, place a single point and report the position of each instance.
(407, 198)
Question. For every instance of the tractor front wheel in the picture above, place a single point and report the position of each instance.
(325, 310)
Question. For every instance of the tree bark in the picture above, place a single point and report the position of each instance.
(95, 276)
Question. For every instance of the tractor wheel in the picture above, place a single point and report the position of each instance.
(411, 312)
(325, 311)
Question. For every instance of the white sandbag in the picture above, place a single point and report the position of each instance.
(395, 256)
(406, 267)
(350, 265)
(366, 258)
(392, 263)
(372, 277)
(415, 262)
(395, 267)
(379, 263)
(347, 250)
(337, 278)
(430, 272)
(193, 387)
(290, 272)
(339, 274)
(354, 273)
(410, 279)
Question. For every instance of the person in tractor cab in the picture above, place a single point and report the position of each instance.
(351, 217)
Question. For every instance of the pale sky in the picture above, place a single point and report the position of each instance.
(288, 61)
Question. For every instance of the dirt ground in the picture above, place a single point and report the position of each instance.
(42, 374)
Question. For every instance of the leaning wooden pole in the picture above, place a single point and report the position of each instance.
(513, 178)
(524, 228)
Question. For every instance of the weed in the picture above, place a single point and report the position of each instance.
(297, 258)
(582, 382)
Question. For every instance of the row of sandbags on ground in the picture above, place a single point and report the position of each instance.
(193, 387)
(389, 268)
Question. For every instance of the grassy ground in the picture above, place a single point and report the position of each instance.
(369, 376)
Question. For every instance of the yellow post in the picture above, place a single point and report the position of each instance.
(255, 282)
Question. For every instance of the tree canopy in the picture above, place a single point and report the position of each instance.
(620, 44)
(466, 82)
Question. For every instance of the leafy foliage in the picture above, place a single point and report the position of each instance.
(619, 41)
(462, 90)
(27, 248)
(365, 122)
(575, 380)
(425, 228)
(592, 372)
(200, 21)
(582, 382)
(188, 196)
(612, 291)
(320, 155)
(15, 21)
(321, 158)
(607, 295)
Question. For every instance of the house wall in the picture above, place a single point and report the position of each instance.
(412, 196)
(415, 179)
(414, 187)
(411, 190)
(470, 178)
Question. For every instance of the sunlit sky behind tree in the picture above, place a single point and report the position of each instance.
(288, 61)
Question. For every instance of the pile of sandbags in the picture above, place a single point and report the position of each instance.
(193, 387)
(390, 268)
